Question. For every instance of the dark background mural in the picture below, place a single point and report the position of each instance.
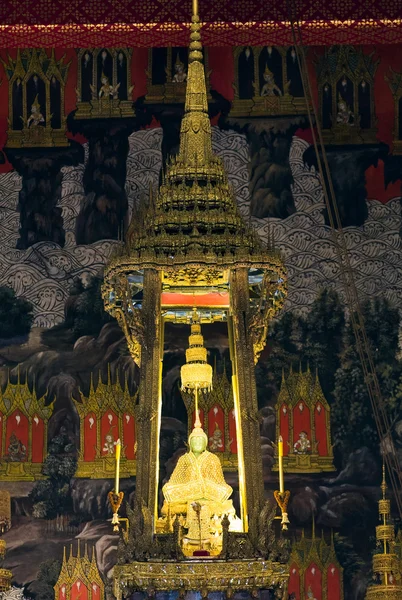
(64, 210)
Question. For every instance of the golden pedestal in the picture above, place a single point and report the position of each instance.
(213, 575)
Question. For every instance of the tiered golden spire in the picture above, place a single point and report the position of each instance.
(195, 212)
(386, 567)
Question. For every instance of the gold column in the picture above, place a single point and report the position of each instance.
(149, 409)
(246, 390)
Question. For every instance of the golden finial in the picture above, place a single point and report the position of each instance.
(384, 482)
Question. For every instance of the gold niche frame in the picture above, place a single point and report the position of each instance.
(258, 105)
(17, 398)
(106, 107)
(303, 387)
(104, 397)
(350, 65)
(31, 63)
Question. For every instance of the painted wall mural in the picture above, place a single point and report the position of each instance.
(71, 181)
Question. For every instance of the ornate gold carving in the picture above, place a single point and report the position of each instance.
(18, 397)
(79, 569)
(5, 575)
(36, 99)
(394, 80)
(306, 552)
(345, 77)
(99, 91)
(191, 237)
(102, 398)
(231, 575)
(387, 584)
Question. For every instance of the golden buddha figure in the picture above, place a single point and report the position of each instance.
(197, 492)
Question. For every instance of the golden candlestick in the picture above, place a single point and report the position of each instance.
(116, 497)
(117, 477)
(282, 497)
(280, 460)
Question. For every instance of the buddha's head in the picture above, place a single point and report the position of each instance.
(198, 439)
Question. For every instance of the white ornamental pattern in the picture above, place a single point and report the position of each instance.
(306, 244)
(13, 594)
(43, 273)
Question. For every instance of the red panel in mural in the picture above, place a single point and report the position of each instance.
(321, 429)
(284, 428)
(79, 591)
(313, 583)
(301, 421)
(294, 582)
(96, 592)
(1, 434)
(232, 432)
(90, 438)
(216, 429)
(17, 435)
(38, 438)
(109, 432)
(333, 583)
(129, 435)
(63, 592)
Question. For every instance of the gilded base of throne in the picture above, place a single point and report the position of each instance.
(21, 471)
(343, 134)
(41, 137)
(105, 468)
(208, 575)
(306, 463)
(104, 108)
(260, 106)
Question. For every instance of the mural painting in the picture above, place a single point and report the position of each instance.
(84, 152)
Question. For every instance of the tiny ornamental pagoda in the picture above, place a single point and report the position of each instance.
(79, 578)
(303, 421)
(387, 563)
(315, 573)
(216, 412)
(23, 432)
(106, 415)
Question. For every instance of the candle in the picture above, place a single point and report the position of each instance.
(280, 459)
(118, 452)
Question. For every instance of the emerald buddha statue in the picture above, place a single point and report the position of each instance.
(198, 494)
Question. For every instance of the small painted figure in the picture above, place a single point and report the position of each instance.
(303, 445)
(215, 440)
(269, 88)
(109, 446)
(180, 75)
(344, 115)
(310, 595)
(36, 118)
(16, 451)
(108, 90)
